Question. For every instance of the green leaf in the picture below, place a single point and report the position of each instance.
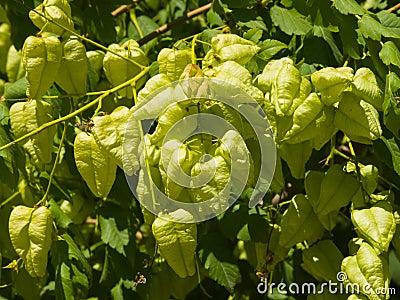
(177, 241)
(394, 151)
(16, 90)
(112, 235)
(371, 28)
(225, 273)
(31, 235)
(28, 116)
(96, 167)
(326, 34)
(300, 223)
(7, 155)
(296, 162)
(253, 35)
(390, 21)
(391, 109)
(359, 120)
(376, 225)
(290, 21)
(390, 54)
(323, 260)
(337, 190)
(348, 7)
(269, 48)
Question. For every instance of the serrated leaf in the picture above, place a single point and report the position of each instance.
(225, 273)
(372, 28)
(390, 54)
(322, 260)
(359, 120)
(290, 21)
(269, 48)
(390, 21)
(28, 116)
(31, 235)
(376, 225)
(299, 223)
(96, 167)
(348, 7)
(177, 241)
(119, 136)
(112, 235)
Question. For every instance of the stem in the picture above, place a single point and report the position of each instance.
(132, 15)
(164, 28)
(193, 49)
(54, 166)
(76, 112)
(9, 199)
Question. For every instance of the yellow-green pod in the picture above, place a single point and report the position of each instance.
(41, 57)
(14, 68)
(5, 44)
(58, 11)
(28, 116)
(72, 74)
(119, 70)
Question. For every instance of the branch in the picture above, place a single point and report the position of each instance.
(173, 23)
(394, 8)
(76, 112)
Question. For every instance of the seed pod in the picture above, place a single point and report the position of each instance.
(227, 47)
(41, 57)
(31, 235)
(14, 67)
(58, 11)
(366, 87)
(332, 83)
(72, 74)
(119, 70)
(5, 44)
(96, 167)
(172, 62)
(28, 116)
(177, 241)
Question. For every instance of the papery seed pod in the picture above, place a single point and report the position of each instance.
(119, 70)
(31, 235)
(172, 62)
(58, 11)
(72, 73)
(41, 57)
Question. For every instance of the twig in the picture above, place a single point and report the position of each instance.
(173, 23)
(394, 8)
(122, 9)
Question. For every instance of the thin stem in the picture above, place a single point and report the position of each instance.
(44, 199)
(76, 112)
(9, 198)
(132, 15)
(194, 49)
